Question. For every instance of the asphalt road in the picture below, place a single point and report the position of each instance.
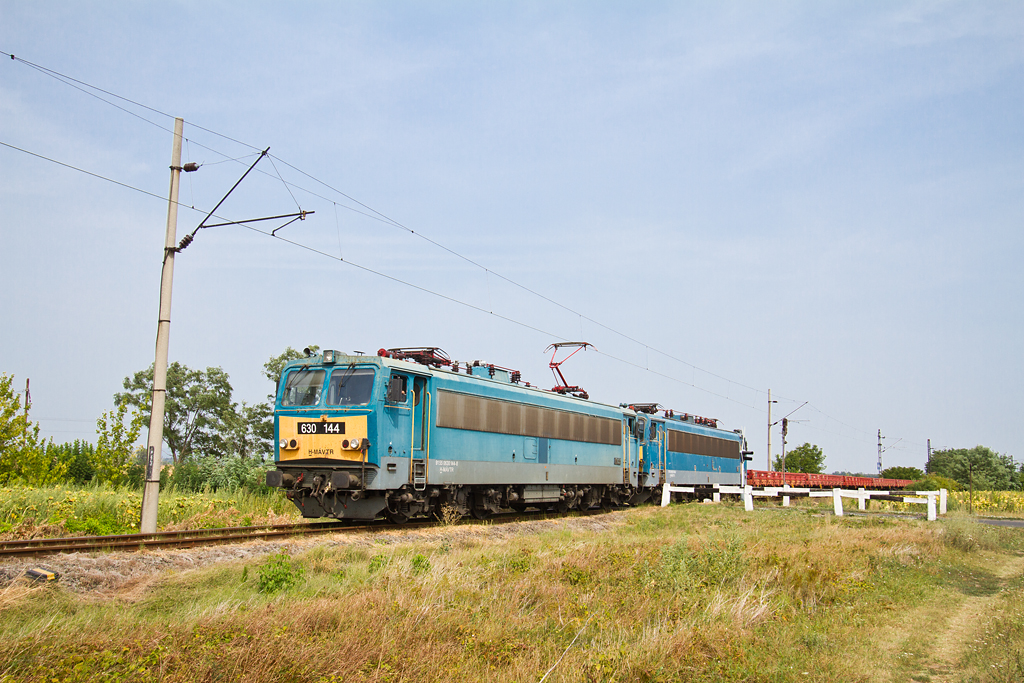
(1019, 523)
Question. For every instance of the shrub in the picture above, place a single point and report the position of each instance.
(933, 482)
(231, 473)
(278, 573)
(420, 563)
(377, 562)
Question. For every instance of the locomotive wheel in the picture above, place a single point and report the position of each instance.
(480, 513)
(396, 517)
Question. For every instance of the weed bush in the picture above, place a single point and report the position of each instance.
(378, 562)
(420, 564)
(278, 573)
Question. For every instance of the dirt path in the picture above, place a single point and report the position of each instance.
(950, 644)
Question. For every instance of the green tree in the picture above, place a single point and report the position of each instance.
(990, 471)
(197, 408)
(912, 473)
(806, 458)
(115, 443)
(80, 457)
(251, 431)
(23, 454)
(933, 482)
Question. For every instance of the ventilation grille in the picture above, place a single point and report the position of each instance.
(461, 411)
(698, 444)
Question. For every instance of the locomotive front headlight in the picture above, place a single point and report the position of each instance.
(283, 444)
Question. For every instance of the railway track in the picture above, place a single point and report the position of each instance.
(172, 539)
(197, 537)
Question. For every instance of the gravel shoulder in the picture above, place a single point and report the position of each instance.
(127, 575)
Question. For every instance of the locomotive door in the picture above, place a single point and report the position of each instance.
(656, 449)
(398, 407)
(630, 450)
(642, 455)
(420, 431)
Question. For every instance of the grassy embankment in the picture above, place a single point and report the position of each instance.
(690, 592)
(100, 510)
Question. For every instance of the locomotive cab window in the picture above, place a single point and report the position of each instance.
(350, 386)
(653, 436)
(398, 389)
(303, 388)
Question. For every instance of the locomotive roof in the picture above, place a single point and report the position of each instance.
(342, 359)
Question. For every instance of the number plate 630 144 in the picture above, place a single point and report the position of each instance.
(320, 427)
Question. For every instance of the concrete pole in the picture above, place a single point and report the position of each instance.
(151, 493)
(769, 467)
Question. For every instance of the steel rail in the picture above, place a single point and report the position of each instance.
(192, 537)
(198, 537)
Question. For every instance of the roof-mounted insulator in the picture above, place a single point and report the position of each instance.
(424, 355)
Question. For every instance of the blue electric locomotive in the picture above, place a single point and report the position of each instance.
(407, 432)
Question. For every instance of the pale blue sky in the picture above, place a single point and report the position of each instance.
(824, 199)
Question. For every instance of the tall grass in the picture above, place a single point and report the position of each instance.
(684, 593)
(101, 509)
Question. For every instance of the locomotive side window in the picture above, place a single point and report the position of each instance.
(398, 390)
(350, 387)
(654, 432)
(303, 388)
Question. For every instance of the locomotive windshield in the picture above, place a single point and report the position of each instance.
(303, 388)
(350, 386)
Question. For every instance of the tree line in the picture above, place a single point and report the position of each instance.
(213, 442)
(986, 469)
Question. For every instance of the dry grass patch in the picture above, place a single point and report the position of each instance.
(683, 593)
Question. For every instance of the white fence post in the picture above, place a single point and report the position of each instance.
(932, 499)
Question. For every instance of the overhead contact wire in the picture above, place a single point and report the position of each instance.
(85, 88)
(420, 288)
